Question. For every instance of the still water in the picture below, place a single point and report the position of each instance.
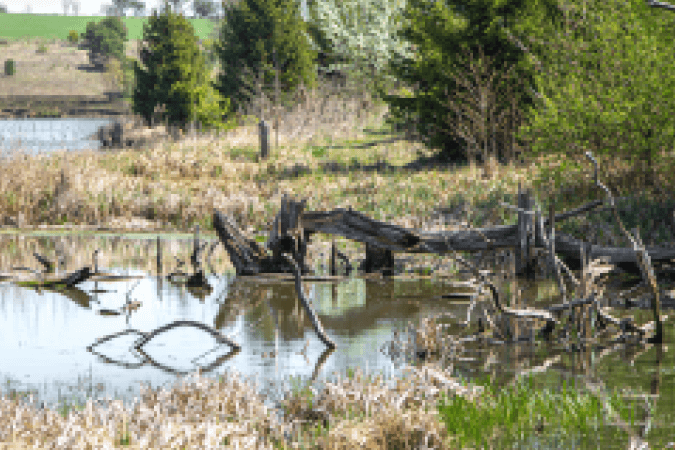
(46, 335)
(49, 339)
(48, 134)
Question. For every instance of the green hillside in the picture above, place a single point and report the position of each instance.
(22, 26)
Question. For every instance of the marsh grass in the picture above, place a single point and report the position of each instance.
(502, 417)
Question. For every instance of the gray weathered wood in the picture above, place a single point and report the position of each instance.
(359, 227)
(264, 131)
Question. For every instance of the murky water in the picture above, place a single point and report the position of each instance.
(48, 339)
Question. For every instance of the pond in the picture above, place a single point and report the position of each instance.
(48, 134)
(49, 339)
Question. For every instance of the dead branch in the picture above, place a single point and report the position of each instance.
(319, 329)
(643, 259)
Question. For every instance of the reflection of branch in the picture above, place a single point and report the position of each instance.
(320, 362)
(539, 369)
(145, 337)
(100, 341)
(186, 323)
(204, 369)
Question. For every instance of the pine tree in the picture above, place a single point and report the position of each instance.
(253, 35)
(175, 75)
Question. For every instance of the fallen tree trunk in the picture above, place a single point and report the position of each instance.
(293, 228)
(359, 227)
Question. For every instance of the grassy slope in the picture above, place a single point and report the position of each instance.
(22, 26)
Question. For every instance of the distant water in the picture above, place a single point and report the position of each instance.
(34, 136)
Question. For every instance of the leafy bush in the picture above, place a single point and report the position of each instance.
(10, 67)
(435, 72)
(42, 48)
(607, 82)
(73, 36)
(105, 40)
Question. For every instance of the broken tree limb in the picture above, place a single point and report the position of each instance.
(244, 253)
(316, 324)
(525, 313)
(642, 256)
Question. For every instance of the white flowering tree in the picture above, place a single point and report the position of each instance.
(365, 32)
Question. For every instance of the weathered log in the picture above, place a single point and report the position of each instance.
(359, 227)
(286, 236)
(244, 253)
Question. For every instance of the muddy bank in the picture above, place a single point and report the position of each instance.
(62, 106)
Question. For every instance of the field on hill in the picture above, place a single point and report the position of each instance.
(55, 79)
(29, 26)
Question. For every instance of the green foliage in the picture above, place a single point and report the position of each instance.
(210, 55)
(174, 74)
(105, 40)
(10, 67)
(73, 36)
(607, 82)
(42, 48)
(252, 35)
(442, 34)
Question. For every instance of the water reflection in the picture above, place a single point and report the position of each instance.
(46, 333)
(59, 344)
(48, 134)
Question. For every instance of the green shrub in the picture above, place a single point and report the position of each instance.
(105, 40)
(42, 48)
(73, 36)
(10, 67)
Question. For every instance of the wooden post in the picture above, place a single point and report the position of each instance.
(552, 260)
(264, 132)
(333, 258)
(523, 263)
(159, 257)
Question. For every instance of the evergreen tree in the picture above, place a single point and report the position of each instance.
(174, 74)
(442, 33)
(253, 34)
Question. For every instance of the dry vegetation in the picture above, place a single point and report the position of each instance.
(326, 156)
(54, 72)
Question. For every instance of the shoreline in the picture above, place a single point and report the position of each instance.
(63, 106)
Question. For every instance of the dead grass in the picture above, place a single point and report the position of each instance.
(52, 73)
(199, 412)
